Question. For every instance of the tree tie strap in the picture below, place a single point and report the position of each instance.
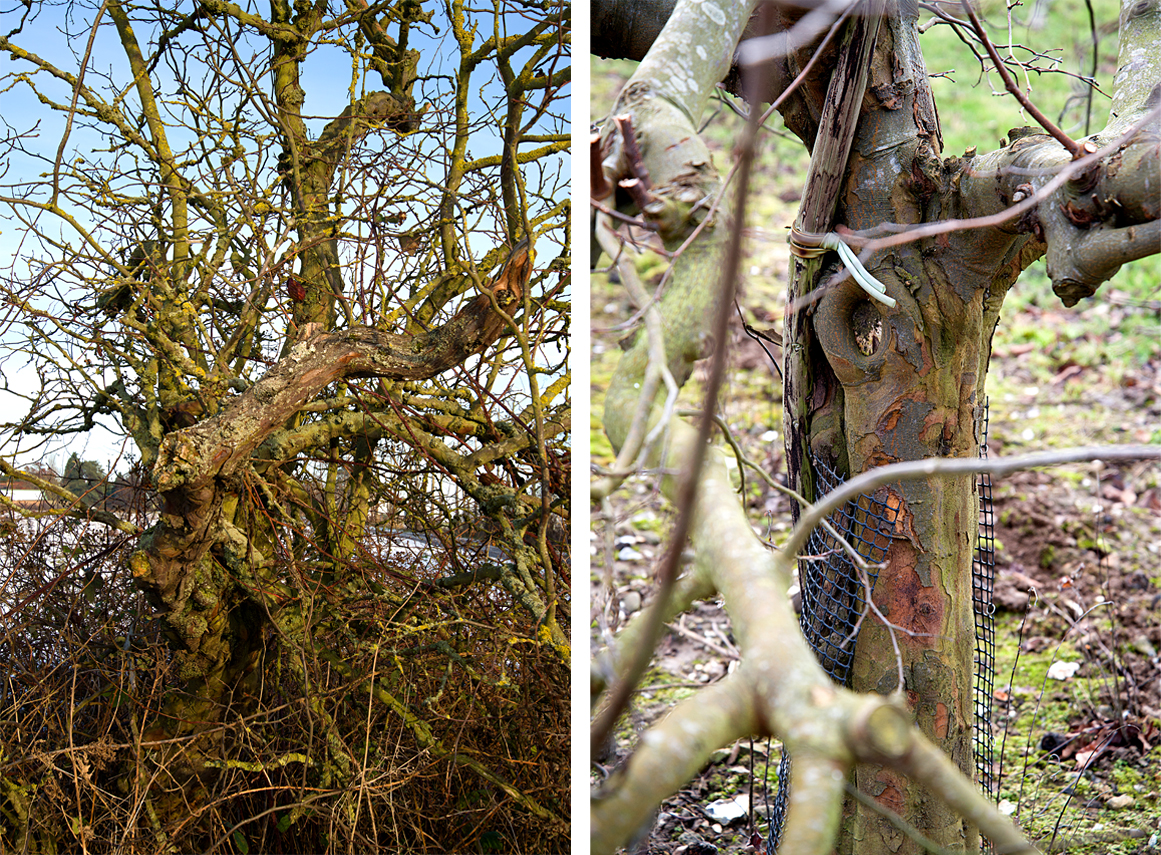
(806, 245)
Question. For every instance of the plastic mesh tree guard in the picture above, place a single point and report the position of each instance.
(983, 581)
(834, 591)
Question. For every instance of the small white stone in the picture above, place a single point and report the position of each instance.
(1062, 670)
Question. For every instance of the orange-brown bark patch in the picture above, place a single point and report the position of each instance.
(936, 424)
(888, 422)
(911, 605)
(941, 721)
(900, 513)
(894, 788)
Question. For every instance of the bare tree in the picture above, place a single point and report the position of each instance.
(881, 365)
(312, 263)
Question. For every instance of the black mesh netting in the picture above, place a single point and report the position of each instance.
(983, 577)
(834, 597)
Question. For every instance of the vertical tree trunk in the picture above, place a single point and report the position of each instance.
(903, 383)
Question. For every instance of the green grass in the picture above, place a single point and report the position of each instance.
(976, 111)
(1049, 795)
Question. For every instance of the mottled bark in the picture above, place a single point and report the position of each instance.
(914, 389)
(816, 216)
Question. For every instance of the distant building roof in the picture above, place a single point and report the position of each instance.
(24, 493)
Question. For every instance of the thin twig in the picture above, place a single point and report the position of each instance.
(916, 470)
(703, 641)
(687, 491)
(1074, 148)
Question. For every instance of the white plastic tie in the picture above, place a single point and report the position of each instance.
(812, 246)
(874, 288)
